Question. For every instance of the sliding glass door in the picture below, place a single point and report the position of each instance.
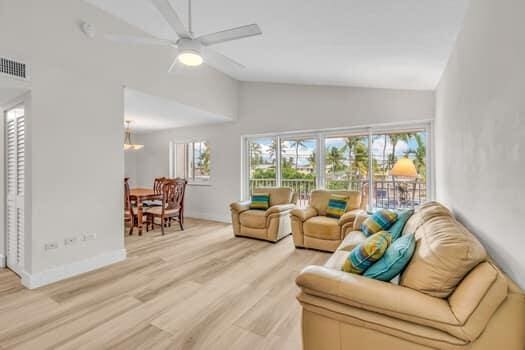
(404, 188)
(388, 165)
(346, 162)
(262, 163)
(298, 166)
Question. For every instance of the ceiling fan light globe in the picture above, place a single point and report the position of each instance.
(190, 58)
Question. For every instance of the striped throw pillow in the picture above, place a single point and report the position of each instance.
(367, 253)
(260, 201)
(380, 221)
(336, 206)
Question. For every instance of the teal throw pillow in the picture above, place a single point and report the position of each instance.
(395, 259)
(402, 217)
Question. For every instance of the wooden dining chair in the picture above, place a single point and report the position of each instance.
(172, 200)
(129, 215)
(157, 188)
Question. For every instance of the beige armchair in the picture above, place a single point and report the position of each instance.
(272, 224)
(311, 227)
(451, 296)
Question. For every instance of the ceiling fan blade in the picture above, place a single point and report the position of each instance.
(171, 17)
(137, 40)
(221, 62)
(230, 34)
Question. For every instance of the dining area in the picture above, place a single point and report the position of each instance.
(160, 205)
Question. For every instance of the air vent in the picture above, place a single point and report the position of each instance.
(13, 68)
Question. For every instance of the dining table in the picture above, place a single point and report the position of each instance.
(139, 195)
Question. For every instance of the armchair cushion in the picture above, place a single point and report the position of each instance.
(319, 200)
(322, 227)
(367, 253)
(260, 201)
(336, 206)
(253, 218)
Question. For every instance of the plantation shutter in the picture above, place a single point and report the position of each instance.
(15, 168)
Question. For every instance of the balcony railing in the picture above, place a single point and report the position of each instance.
(386, 193)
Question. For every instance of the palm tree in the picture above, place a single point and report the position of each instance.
(359, 152)
(334, 159)
(297, 144)
(394, 139)
(256, 154)
(205, 159)
(312, 161)
(420, 153)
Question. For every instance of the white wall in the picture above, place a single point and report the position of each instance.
(480, 130)
(76, 124)
(274, 108)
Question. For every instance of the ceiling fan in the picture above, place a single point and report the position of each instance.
(189, 50)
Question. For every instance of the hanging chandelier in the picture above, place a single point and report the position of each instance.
(128, 145)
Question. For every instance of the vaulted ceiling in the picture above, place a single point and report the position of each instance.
(403, 44)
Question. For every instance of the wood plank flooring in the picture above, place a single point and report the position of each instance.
(197, 289)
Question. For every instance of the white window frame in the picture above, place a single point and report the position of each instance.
(173, 161)
(321, 135)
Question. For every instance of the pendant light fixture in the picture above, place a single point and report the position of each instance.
(128, 145)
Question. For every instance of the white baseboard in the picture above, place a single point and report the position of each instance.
(3, 261)
(59, 273)
(209, 216)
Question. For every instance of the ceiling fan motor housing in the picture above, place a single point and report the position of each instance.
(189, 45)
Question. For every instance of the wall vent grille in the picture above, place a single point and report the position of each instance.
(13, 68)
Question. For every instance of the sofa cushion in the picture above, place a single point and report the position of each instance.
(445, 252)
(260, 201)
(322, 227)
(352, 240)
(396, 258)
(367, 253)
(402, 217)
(379, 221)
(253, 218)
(336, 206)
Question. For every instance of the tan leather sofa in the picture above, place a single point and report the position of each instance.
(311, 228)
(450, 296)
(272, 224)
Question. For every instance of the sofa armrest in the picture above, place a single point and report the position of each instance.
(239, 207)
(304, 214)
(349, 216)
(278, 209)
(376, 296)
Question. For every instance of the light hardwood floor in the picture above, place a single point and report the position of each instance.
(197, 289)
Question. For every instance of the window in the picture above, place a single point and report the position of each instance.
(355, 159)
(346, 162)
(199, 161)
(262, 163)
(191, 161)
(399, 191)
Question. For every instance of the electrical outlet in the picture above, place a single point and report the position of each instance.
(51, 246)
(89, 236)
(70, 241)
